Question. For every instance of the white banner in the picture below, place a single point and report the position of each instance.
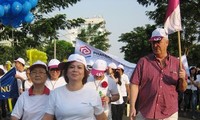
(91, 53)
(185, 64)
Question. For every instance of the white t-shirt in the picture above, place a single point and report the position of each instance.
(125, 81)
(23, 75)
(30, 107)
(191, 86)
(53, 84)
(120, 101)
(74, 105)
(27, 85)
(96, 85)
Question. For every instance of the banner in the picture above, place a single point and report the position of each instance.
(185, 64)
(173, 17)
(92, 54)
(8, 85)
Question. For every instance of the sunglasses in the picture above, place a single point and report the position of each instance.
(54, 69)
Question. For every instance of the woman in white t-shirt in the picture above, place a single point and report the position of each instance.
(190, 95)
(31, 104)
(55, 79)
(26, 84)
(104, 85)
(74, 101)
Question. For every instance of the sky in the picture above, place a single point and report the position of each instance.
(121, 16)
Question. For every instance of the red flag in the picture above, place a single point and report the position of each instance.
(173, 17)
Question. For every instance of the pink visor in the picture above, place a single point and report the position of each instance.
(155, 38)
(53, 66)
(97, 72)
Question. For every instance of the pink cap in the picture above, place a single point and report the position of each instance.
(158, 34)
(53, 63)
(99, 67)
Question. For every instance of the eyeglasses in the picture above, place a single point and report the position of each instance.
(38, 72)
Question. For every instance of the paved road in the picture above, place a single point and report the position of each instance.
(182, 116)
(126, 118)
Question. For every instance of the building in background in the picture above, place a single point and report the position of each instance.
(73, 33)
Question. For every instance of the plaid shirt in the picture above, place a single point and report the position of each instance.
(158, 96)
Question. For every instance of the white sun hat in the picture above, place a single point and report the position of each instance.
(71, 58)
(21, 60)
(112, 65)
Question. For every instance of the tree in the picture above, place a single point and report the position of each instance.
(137, 44)
(189, 17)
(93, 36)
(42, 30)
(194, 57)
(190, 37)
(64, 49)
(5, 50)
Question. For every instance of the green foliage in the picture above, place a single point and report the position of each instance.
(64, 49)
(194, 57)
(46, 6)
(190, 11)
(190, 20)
(137, 44)
(94, 37)
(6, 53)
(42, 31)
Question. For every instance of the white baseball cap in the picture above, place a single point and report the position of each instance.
(38, 63)
(99, 67)
(53, 63)
(21, 60)
(71, 58)
(158, 34)
(120, 66)
(112, 65)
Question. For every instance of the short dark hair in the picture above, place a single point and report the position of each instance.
(86, 74)
(2, 72)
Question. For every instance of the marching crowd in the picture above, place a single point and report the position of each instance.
(189, 101)
(81, 90)
(86, 91)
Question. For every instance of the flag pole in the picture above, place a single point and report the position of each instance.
(179, 49)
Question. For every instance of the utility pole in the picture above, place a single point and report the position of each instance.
(55, 49)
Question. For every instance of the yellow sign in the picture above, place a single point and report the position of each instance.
(33, 55)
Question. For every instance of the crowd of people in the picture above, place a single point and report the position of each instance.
(98, 90)
(189, 101)
(85, 90)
